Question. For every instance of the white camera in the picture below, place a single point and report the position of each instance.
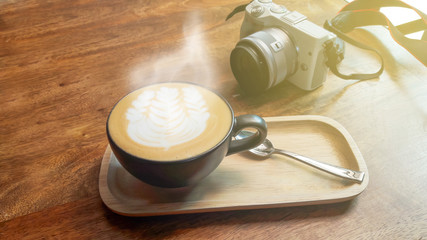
(278, 44)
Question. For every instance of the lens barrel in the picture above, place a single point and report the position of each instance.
(263, 60)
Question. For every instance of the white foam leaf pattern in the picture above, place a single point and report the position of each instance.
(167, 117)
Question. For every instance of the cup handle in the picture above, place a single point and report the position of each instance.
(247, 121)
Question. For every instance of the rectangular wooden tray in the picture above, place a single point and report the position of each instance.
(245, 182)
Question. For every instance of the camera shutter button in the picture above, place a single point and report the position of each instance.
(278, 9)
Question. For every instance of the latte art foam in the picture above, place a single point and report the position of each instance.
(170, 121)
(167, 117)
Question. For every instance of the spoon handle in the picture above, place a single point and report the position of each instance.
(356, 176)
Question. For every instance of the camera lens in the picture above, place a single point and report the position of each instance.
(249, 66)
(263, 60)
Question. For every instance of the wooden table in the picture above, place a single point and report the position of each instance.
(63, 65)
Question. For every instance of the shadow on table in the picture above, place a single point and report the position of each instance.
(205, 223)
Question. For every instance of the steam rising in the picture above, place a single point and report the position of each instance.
(190, 62)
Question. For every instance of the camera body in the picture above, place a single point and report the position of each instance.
(278, 44)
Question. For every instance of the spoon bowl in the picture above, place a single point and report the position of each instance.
(266, 149)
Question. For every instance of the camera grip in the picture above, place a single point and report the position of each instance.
(248, 121)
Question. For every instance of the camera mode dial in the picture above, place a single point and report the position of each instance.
(257, 10)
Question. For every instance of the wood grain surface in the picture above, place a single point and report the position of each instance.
(64, 64)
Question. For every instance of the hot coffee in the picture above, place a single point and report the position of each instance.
(170, 121)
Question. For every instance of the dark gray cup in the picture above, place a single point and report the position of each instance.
(185, 172)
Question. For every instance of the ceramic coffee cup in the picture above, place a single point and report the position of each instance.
(175, 134)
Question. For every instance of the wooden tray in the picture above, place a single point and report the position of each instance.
(244, 182)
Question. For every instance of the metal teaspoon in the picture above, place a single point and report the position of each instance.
(266, 149)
